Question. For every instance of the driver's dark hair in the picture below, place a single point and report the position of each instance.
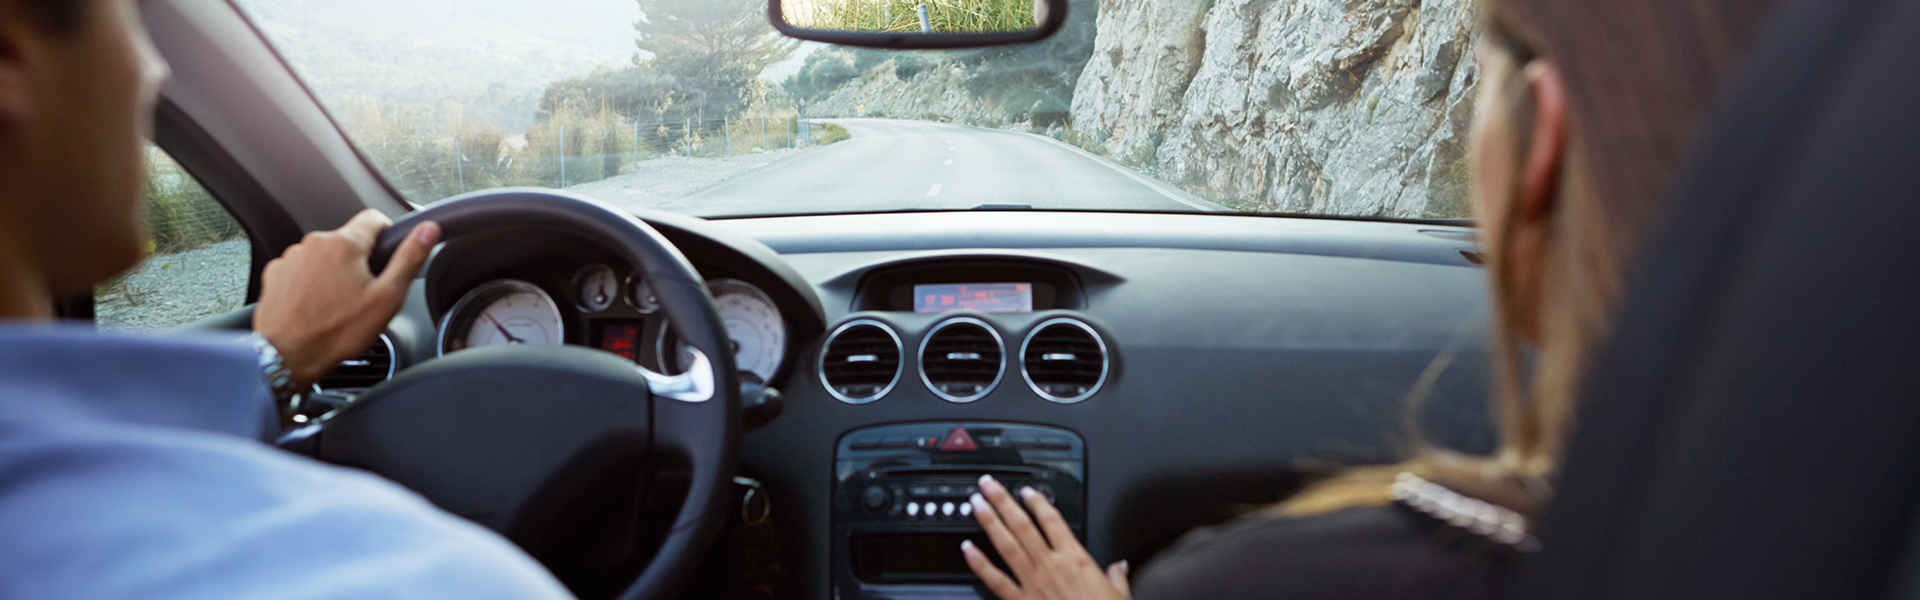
(59, 16)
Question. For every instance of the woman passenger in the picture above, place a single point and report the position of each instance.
(1586, 110)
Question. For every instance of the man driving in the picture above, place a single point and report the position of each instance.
(134, 467)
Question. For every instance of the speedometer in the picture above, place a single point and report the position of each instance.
(502, 311)
(753, 324)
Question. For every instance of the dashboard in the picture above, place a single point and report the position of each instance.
(1155, 372)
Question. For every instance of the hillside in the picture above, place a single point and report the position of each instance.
(497, 56)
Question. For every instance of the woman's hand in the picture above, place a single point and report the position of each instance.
(1048, 562)
(320, 304)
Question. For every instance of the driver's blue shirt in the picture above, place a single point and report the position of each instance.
(133, 467)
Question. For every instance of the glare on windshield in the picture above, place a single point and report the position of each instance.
(698, 106)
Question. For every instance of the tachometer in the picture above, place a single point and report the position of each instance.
(502, 311)
(754, 325)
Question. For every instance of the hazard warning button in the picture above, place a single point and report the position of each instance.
(958, 440)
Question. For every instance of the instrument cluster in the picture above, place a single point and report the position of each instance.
(617, 310)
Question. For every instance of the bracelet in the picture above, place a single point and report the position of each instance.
(274, 371)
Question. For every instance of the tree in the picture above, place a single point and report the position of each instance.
(710, 50)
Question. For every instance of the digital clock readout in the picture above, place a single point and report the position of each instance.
(983, 297)
(620, 337)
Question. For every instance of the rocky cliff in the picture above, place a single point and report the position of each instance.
(1356, 107)
(937, 93)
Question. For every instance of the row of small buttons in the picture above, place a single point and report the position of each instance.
(985, 442)
(922, 490)
(944, 509)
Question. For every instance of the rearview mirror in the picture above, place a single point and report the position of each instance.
(918, 23)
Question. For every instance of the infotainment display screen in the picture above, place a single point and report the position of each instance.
(983, 297)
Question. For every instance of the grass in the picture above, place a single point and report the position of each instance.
(827, 133)
(943, 16)
(181, 215)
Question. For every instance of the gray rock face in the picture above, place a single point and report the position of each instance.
(937, 93)
(1354, 107)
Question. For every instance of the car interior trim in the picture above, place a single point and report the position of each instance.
(694, 385)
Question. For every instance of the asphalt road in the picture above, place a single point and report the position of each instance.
(894, 165)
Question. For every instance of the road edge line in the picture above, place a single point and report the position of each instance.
(1171, 194)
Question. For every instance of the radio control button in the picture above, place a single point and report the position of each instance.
(929, 508)
(896, 441)
(919, 490)
(966, 509)
(875, 498)
(913, 510)
(946, 509)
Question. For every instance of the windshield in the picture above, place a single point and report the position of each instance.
(1353, 109)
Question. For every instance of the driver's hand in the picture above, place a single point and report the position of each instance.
(320, 304)
(1048, 562)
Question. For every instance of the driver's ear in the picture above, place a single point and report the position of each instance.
(18, 35)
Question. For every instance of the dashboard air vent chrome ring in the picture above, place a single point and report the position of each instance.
(1064, 360)
(962, 359)
(861, 361)
(371, 367)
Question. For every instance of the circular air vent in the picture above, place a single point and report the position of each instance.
(1064, 360)
(861, 361)
(961, 359)
(371, 367)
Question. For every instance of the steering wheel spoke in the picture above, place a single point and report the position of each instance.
(694, 385)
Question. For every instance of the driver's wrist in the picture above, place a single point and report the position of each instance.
(274, 370)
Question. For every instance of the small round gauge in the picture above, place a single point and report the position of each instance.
(595, 288)
(754, 325)
(640, 294)
(502, 311)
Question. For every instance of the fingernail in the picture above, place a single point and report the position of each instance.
(980, 505)
(1124, 567)
(967, 546)
(1027, 492)
(426, 233)
(987, 483)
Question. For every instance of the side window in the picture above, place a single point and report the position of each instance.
(198, 258)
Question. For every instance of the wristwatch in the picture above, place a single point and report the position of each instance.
(273, 369)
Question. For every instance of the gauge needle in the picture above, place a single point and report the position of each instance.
(503, 329)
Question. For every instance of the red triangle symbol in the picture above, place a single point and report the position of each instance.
(958, 440)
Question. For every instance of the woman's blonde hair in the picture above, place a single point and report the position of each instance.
(1641, 75)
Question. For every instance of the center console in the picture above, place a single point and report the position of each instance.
(900, 500)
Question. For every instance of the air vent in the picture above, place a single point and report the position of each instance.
(1064, 360)
(960, 360)
(861, 361)
(370, 368)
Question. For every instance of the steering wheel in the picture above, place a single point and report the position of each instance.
(553, 446)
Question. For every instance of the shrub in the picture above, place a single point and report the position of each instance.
(827, 133)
